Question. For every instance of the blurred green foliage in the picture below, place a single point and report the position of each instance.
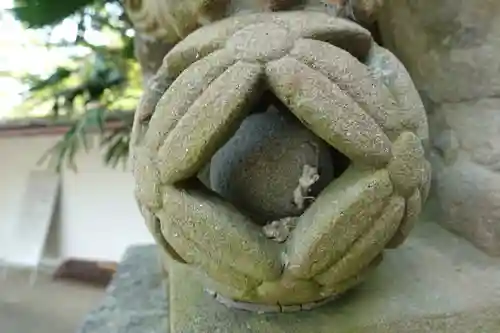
(99, 82)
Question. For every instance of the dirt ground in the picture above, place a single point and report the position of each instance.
(45, 307)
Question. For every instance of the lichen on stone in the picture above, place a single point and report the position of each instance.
(279, 230)
(307, 179)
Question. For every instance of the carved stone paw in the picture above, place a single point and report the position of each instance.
(351, 93)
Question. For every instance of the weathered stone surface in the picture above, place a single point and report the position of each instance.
(412, 212)
(197, 224)
(368, 246)
(217, 75)
(366, 11)
(435, 283)
(135, 299)
(344, 125)
(259, 168)
(260, 42)
(149, 54)
(387, 69)
(406, 167)
(173, 20)
(297, 291)
(450, 48)
(358, 195)
(468, 202)
(212, 116)
(454, 288)
(176, 101)
(354, 79)
(315, 25)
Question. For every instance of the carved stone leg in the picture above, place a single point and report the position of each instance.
(451, 50)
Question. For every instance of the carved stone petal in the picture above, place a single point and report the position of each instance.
(210, 119)
(325, 109)
(156, 87)
(202, 42)
(354, 79)
(366, 248)
(218, 273)
(407, 167)
(147, 176)
(387, 68)
(194, 222)
(345, 210)
(261, 42)
(344, 285)
(412, 212)
(188, 86)
(321, 26)
(154, 226)
(292, 291)
(336, 31)
(225, 280)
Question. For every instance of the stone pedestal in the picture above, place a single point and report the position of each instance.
(451, 48)
(436, 282)
(135, 299)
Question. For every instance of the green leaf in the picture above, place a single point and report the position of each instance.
(41, 13)
(118, 142)
(117, 151)
(57, 77)
(128, 51)
(107, 77)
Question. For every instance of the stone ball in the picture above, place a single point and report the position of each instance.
(259, 168)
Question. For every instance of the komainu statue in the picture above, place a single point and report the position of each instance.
(279, 154)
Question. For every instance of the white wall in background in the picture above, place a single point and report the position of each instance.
(97, 217)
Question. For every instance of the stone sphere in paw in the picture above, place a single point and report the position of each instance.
(259, 168)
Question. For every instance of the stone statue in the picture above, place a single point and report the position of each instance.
(160, 24)
(312, 138)
(451, 50)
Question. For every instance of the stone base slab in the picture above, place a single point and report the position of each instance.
(436, 282)
(135, 299)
